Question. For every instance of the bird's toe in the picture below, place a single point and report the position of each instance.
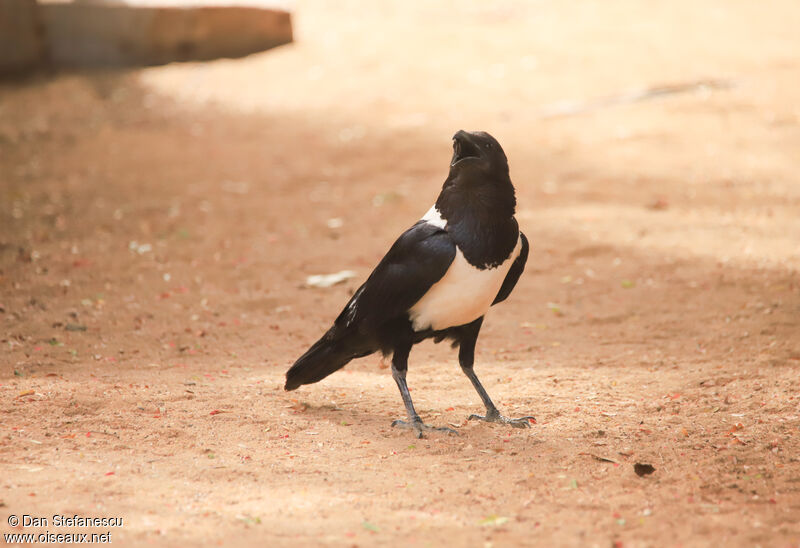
(522, 422)
(418, 427)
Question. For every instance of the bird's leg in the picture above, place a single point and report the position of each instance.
(466, 358)
(399, 368)
(492, 414)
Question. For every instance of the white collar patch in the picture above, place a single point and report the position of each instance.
(434, 217)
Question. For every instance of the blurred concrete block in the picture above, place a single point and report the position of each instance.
(148, 32)
(21, 40)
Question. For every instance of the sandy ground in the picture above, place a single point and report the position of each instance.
(158, 226)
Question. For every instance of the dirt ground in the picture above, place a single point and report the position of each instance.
(158, 225)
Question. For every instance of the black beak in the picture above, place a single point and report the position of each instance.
(464, 148)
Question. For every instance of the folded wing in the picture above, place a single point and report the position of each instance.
(513, 275)
(417, 260)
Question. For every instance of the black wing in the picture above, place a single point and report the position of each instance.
(513, 274)
(417, 260)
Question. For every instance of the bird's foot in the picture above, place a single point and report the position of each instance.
(418, 427)
(494, 415)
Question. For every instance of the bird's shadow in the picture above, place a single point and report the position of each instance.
(341, 415)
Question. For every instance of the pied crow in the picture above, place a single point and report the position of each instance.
(437, 281)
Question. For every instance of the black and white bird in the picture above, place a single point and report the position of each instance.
(437, 281)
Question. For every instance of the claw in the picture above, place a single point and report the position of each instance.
(419, 426)
(522, 422)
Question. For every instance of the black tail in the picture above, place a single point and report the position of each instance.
(327, 355)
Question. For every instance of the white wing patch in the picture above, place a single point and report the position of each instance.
(434, 217)
(352, 308)
(463, 295)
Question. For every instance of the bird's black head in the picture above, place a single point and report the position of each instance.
(478, 186)
(477, 200)
(477, 153)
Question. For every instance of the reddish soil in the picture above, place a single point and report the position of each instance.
(157, 227)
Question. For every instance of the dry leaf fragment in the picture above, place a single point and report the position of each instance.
(643, 469)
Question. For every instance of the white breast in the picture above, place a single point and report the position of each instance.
(463, 295)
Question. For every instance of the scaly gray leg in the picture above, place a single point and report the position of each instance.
(466, 358)
(399, 368)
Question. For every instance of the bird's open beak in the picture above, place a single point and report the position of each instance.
(464, 148)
